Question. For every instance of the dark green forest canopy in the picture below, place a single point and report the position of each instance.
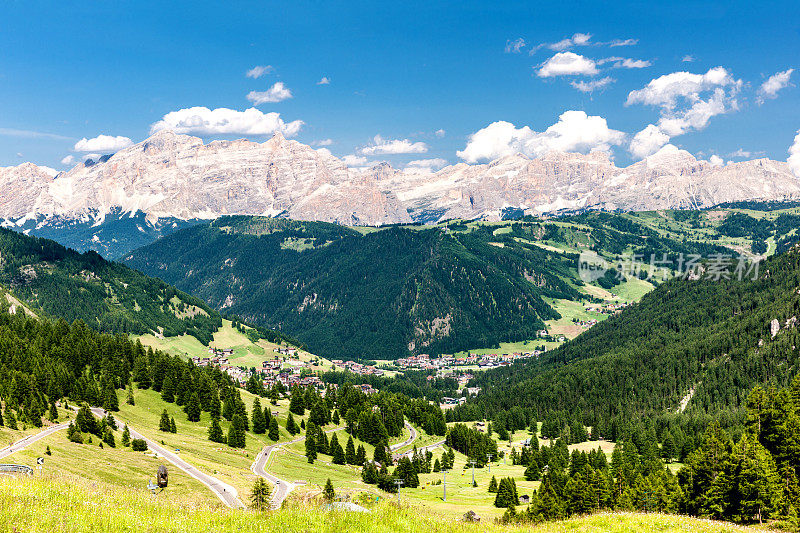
(105, 295)
(710, 336)
(375, 296)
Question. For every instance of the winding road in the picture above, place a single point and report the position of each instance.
(226, 493)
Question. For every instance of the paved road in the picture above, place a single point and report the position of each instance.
(30, 439)
(406, 442)
(226, 493)
(282, 487)
(424, 449)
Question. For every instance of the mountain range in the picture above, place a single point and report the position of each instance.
(170, 180)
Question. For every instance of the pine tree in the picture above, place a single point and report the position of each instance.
(110, 400)
(259, 422)
(172, 427)
(350, 451)
(52, 415)
(108, 438)
(130, 400)
(302, 424)
(328, 493)
(296, 403)
(274, 432)
(335, 419)
(193, 408)
(228, 407)
(668, 450)
(311, 448)
(11, 420)
(215, 432)
(260, 496)
(493, 484)
(126, 436)
(163, 424)
(336, 451)
(74, 433)
(168, 389)
(361, 455)
(291, 427)
(437, 466)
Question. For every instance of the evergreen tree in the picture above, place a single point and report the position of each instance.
(335, 419)
(168, 389)
(361, 455)
(237, 432)
(52, 415)
(668, 449)
(108, 438)
(336, 451)
(274, 432)
(163, 424)
(215, 432)
(291, 427)
(260, 495)
(11, 420)
(130, 399)
(259, 422)
(328, 493)
(126, 436)
(296, 403)
(311, 449)
(350, 451)
(193, 408)
(74, 433)
(493, 484)
(110, 400)
(437, 466)
(172, 427)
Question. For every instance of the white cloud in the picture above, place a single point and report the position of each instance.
(352, 160)
(567, 64)
(648, 141)
(324, 142)
(12, 132)
(627, 62)
(394, 146)
(325, 80)
(775, 83)
(687, 102)
(794, 156)
(741, 152)
(667, 89)
(440, 133)
(577, 39)
(258, 71)
(575, 131)
(623, 42)
(19, 154)
(593, 85)
(102, 143)
(93, 157)
(277, 93)
(687, 58)
(515, 46)
(68, 160)
(716, 160)
(221, 121)
(324, 151)
(428, 165)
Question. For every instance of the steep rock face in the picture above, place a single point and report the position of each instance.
(170, 176)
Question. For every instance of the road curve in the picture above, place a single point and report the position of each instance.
(424, 449)
(226, 493)
(30, 439)
(282, 487)
(406, 442)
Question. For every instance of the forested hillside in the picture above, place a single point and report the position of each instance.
(704, 341)
(384, 293)
(62, 283)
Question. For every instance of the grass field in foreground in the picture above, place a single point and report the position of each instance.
(62, 504)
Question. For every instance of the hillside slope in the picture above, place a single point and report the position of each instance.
(107, 296)
(704, 341)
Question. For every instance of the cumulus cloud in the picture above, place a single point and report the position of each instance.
(324, 142)
(427, 165)
(687, 102)
(324, 151)
(577, 39)
(626, 62)
(440, 133)
(102, 143)
(593, 85)
(352, 160)
(68, 160)
(648, 141)
(794, 156)
(221, 121)
(716, 160)
(515, 46)
(325, 80)
(741, 152)
(394, 146)
(258, 71)
(575, 131)
(277, 93)
(774, 84)
(567, 64)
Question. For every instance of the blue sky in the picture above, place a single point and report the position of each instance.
(403, 72)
